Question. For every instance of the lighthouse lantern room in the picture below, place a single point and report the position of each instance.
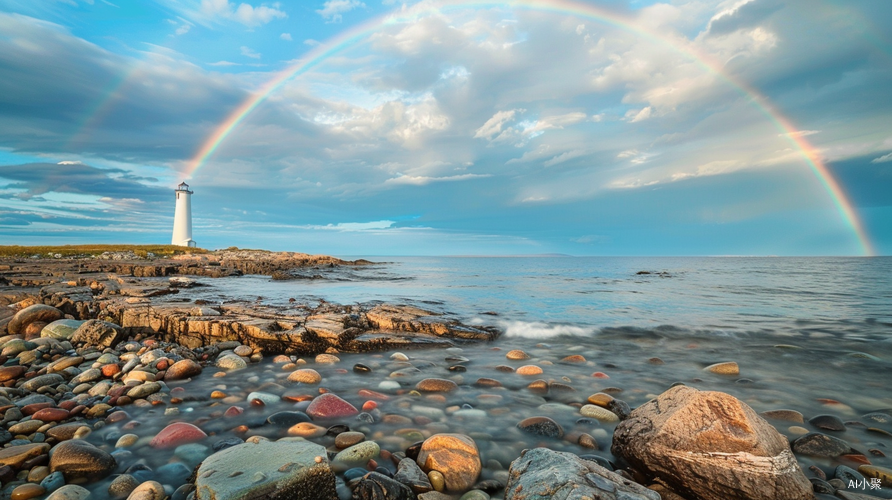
(182, 218)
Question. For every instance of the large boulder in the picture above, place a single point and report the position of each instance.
(61, 329)
(280, 470)
(710, 446)
(98, 333)
(541, 474)
(453, 455)
(37, 313)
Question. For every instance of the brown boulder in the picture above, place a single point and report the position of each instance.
(98, 333)
(453, 455)
(710, 446)
(37, 313)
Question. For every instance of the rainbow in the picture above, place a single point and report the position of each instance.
(346, 39)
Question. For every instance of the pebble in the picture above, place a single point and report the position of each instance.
(398, 356)
(436, 385)
(243, 351)
(327, 359)
(828, 422)
(542, 426)
(601, 414)
(77, 459)
(357, 455)
(348, 439)
(126, 441)
(517, 355)
(305, 376)
(176, 434)
(787, 415)
(122, 486)
(529, 370)
(725, 368)
(26, 491)
(437, 480)
(330, 406)
(307, 430)
(183, 369)
(70, 492)
(231, 363)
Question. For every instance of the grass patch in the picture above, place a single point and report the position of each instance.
(91, 250)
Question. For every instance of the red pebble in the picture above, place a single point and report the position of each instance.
(600, 375)
(372, 465)
(341, 371)
(118, 416)
(373, 395)
(50, 415)
(858, 459)
(77, 410)
(257, 403)
(110, 370)
(329, 406)
(369, 406)
(233, 411)
(33, 408)
(133, 424)
(176, 434)
(162, 364)
(67, 404)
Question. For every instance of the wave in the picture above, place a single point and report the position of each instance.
(539, 330)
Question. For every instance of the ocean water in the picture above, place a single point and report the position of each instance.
(809, 334)
(551, 297)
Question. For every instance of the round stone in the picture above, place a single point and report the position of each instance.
(149, 490)
(307, 430)
(517, 355)
(330, 406)
(436, 385)
(77, 459)
(437, 480)
(243, 350)
(305, 376)
(182, 369)
(574, 358)
(70, 492)
(327, 359)
(26, 491)
(176, 434)
(726, 368)
(455, 456)
(828, 422)
(231, 363)
(542, 426)
(122, 486)
(596, 412)
(528, 370)
(348, 439)
(357, 455)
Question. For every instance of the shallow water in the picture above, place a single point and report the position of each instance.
(813, 335)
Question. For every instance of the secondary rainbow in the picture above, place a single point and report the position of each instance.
(809, 153)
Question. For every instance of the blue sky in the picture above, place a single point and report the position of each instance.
(461, 130)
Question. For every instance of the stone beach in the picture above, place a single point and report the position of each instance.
(115, 383)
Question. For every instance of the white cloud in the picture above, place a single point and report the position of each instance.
(421, 180)
(243, 13)
(285, 36)
(882, 159)
(333, 10)
(247, 52)
(800, 133)
(493, 126)
(312, 43)
(637, 116)
(223, 63)
(183, 29)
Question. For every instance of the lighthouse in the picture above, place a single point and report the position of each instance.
(182, 218)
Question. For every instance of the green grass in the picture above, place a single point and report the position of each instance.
(88, 250)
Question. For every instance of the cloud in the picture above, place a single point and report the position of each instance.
(642, 114)
(743, 14)
(424, 180)
(312, 43)
(333, 10)
(882, 159)
(247, 52)
(285, 36)
(243, 13)
(224, 63)
(493, 126)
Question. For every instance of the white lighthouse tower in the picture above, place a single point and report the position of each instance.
(182, 218)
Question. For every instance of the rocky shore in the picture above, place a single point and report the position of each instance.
(115, 384)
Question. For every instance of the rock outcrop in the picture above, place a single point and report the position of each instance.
(710, 446)
(541, 474)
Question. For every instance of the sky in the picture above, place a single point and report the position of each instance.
(741, 127)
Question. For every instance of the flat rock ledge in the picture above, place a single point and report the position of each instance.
(160, 307)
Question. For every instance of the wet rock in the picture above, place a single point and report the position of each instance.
(37, 313)
(70, 492)
(711, 446)
(816, 444)
(884, 474)
(281, 470)
(726, 368)
(330, 406)
(149, 490)
(305, 376)
(357, 455)
(436, 385)
(375, 486)
(528, 370)
(786, 415)
(828, 422)
(598, 413)
(231, 363)
(347, 439)
(287, 418)
(15, 456)
(453, 455)
(11, 372)
(122, 486)
(542, 426)
(542, 473)
(517, 355)
(77, 459)
(61, 329)
(48, 380)
(409, 473)
(183, 369)
(176, 434)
